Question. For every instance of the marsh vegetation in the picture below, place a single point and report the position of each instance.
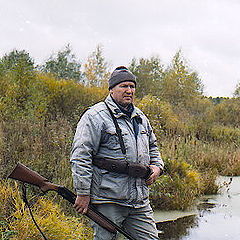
(40, 106)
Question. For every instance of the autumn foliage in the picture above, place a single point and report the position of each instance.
(198, 136)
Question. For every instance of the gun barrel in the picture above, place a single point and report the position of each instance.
(24, 174)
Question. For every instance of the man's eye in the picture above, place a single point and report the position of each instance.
(126, 86)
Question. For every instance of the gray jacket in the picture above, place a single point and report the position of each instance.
(96, 137)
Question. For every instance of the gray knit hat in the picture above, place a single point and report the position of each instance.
(120, 74)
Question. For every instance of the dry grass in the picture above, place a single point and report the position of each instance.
(49, 216)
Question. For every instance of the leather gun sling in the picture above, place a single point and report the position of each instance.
(118, 130)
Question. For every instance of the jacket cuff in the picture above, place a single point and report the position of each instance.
(83, 191)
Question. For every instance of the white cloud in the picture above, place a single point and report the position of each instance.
(207, 31)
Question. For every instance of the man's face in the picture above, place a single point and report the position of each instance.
(123, 93)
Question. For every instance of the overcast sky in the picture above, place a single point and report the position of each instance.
(207, 32)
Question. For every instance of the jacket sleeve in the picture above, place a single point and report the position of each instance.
(155, 156)
(85, 144)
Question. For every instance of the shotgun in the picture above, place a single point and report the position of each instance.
(26, 175)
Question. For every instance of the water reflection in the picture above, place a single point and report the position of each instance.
(216, 217)
(175, 229)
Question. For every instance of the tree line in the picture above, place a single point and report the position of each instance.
(40, 106)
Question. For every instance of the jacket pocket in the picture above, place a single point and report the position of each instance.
(144, 136)
(114, 186)
(110, 139)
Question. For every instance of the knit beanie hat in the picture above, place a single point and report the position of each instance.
(120, 74)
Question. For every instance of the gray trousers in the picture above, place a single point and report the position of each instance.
(138, 222)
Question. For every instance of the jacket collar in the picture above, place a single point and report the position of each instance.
(116, 110)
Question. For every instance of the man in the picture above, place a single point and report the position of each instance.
(113, 144)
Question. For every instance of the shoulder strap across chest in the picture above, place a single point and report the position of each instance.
(118, 130)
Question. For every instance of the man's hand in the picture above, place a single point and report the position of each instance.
(153, 177)
(81, 203)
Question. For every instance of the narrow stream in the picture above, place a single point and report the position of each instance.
(215, 217)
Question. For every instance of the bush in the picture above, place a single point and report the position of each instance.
(161, 115)
(225, 134)
(16, 222)
(178, 188)
(68, 98)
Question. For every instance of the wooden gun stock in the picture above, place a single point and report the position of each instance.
(26, 175)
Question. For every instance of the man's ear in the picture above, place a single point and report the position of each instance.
(111, 91)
